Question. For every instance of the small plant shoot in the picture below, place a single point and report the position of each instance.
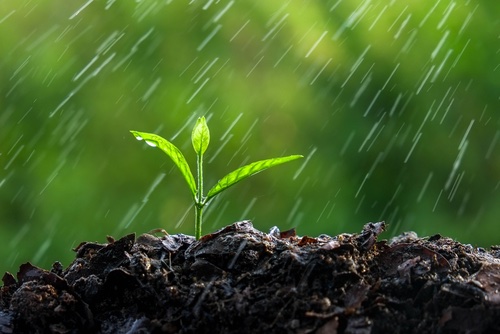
(200, 138)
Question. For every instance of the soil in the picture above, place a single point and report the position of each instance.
(241, 280)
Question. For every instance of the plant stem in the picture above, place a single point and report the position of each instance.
(199, 197)
(198, 221)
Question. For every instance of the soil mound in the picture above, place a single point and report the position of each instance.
(241, 280)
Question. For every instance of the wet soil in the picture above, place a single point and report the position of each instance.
(241, 280)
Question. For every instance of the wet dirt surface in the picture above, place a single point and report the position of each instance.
(241, 280)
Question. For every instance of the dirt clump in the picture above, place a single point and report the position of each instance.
(241, 280)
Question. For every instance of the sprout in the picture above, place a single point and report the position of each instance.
(200, 138)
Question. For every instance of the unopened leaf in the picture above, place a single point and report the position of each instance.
(247, 171)
(172, 151)
(200, 136)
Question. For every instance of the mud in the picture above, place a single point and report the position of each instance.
(241, 280)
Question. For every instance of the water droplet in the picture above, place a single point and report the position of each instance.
(151, 143)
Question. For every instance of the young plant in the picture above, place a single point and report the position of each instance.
(200, 138)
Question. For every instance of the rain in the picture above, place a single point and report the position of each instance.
(394, 106)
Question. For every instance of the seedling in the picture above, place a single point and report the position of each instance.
(200, 138)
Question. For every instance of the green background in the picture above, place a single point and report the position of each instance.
(394, 104)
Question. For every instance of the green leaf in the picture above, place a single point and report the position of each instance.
(247, 171)
(172, 151)
(200, 136)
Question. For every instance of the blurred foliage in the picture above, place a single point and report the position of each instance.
(394, 104)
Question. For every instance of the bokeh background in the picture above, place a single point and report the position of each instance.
(394, 104)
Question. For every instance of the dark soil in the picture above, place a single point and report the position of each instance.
(241, 280)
